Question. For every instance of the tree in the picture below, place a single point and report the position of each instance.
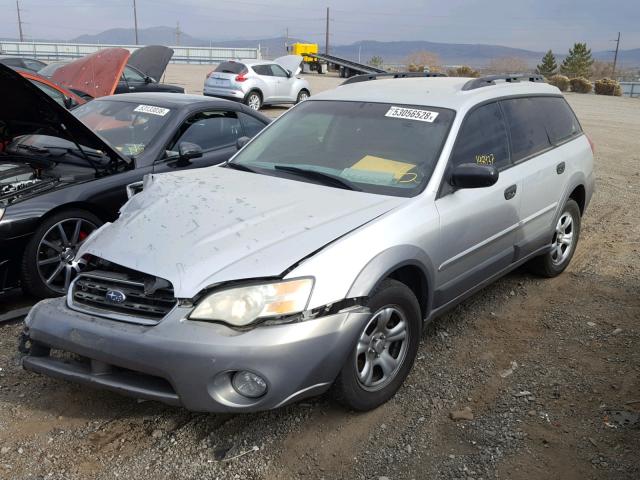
(421, 61)
(376, 62)
(578, 62)
(508, 65)
(548, 66)
(463, 71)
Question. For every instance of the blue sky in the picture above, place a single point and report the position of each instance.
(536, 25)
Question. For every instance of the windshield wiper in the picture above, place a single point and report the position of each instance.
(239, 166)
(322, 177)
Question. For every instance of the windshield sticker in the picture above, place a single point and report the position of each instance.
(412, 114)
(161, 112)
(132, 148)
(372, 163)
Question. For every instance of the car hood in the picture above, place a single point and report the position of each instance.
(199, 228)
(96, 74)
(28, 110)
(151, 60)
(293, 63)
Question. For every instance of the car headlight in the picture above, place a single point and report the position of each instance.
(242, 306)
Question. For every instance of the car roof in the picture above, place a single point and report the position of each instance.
(171, 100)
(443, 92)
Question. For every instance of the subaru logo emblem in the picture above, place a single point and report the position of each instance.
(115, 296)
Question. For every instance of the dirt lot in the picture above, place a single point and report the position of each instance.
(549, 368)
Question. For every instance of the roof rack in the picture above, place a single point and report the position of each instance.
(509, 78)
(375, 76)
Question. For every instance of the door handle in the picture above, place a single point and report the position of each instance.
(560, 168)
(510, 192)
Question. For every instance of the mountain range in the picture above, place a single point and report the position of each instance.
(475, 55)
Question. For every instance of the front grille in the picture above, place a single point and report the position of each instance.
(89, 294)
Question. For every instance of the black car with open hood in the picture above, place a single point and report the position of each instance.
(63, 174)
(144, 70)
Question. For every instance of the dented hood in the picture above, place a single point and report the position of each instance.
(293, 63)
(198, 228)
(96, 74)
(151, 60)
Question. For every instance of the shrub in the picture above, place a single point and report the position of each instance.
(606, 86)
(463, 71)
(560, 81)
(580, 85)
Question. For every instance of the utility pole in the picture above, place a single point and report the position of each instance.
(326, 40)
(178, 33)
(615, 57)
(19, 21)
(135, 20)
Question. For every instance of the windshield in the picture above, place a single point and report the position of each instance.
(375, 147)
(128, 127)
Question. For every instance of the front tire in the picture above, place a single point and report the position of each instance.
(49, 261)
(302, 96)
(385, 351)
(563, 244)
(253, 100)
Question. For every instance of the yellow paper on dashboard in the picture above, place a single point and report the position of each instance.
(378, 164)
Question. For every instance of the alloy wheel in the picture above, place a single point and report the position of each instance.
(254, 101)
(382, 348)
(562, 239)
(56, 254)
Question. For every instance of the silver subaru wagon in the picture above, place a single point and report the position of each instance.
(314, 257)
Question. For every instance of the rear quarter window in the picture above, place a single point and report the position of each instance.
(560, 121)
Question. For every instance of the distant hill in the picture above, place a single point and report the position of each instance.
(476, 55)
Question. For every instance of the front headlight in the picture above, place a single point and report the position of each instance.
(244, 305)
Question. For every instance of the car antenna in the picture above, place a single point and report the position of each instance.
(80, 149)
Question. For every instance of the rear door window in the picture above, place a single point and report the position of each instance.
(263, 70)
(560, 121)
(526, 119)
(483, 138)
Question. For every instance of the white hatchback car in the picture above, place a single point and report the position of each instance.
(259, 82)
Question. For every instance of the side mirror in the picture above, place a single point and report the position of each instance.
(241, 142)
(148, 80)
(69, 103)
(188, 150)
(471, 175)
(289, 74)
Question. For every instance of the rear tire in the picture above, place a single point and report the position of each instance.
(385, 351)
(563, 244)
(302, 96)
(253, 100)
(48, 262)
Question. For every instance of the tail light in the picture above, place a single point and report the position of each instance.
(591, 144)
(241, 77)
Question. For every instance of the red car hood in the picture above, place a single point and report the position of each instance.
(96, 74)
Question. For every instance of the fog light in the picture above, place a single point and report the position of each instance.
(249, 384)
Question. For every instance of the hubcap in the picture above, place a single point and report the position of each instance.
(303, 96)
(56, 255)
(381, 348)
(562, 239)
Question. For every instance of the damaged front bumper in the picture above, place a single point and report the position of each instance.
(190, 363)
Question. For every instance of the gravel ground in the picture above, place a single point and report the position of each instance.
(546, 373)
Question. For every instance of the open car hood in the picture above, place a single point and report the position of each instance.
(293, 63)
(96, 74)
(28, 110)
(151, 60)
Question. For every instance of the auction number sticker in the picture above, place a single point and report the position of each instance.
(411, 114)
(161, 112)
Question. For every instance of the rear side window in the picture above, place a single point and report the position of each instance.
(483, 138)
(526, 119)
(262, 70)
(231, 67)
(560, 121)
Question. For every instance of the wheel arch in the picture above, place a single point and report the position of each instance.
(407, 264)
(96, 210)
